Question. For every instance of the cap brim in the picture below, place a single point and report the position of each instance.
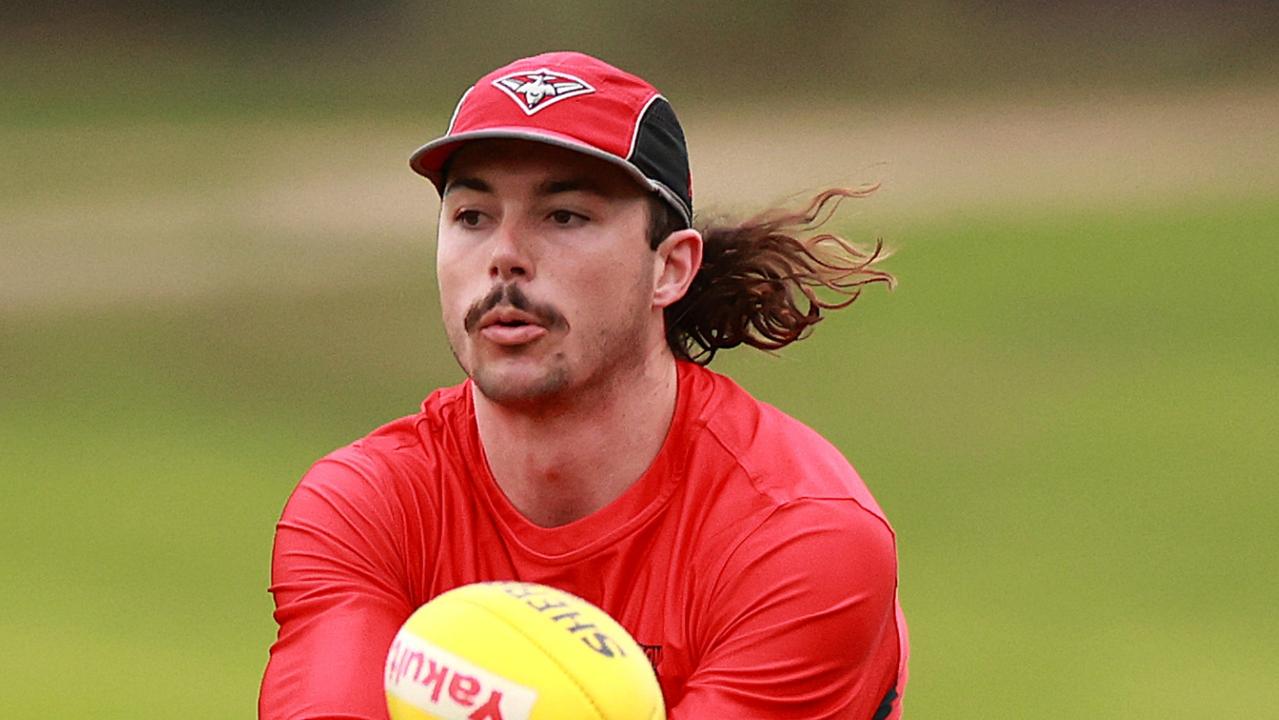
(431, 160)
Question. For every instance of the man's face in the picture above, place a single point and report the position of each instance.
(546, 277)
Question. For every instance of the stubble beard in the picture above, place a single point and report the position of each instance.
(608, 358)
(525, 393)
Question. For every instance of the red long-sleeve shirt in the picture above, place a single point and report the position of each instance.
(750, 561)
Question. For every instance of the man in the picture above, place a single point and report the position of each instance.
(588, 449)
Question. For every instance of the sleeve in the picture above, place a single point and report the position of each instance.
(802, 621)
(337, 574)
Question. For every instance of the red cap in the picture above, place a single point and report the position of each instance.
(577, 102)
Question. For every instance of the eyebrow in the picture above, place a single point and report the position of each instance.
(549, 187)
(577, 184)
(467, 183)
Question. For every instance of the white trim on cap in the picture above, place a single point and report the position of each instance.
(458, 109)
(630, 152)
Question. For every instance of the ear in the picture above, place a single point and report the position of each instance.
(676, 261)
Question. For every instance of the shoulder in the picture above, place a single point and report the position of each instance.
(784, 459)
(379, 469)
(782, 506)
(371, 507)
(833, 538)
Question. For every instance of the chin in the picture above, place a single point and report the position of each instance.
(512, 385)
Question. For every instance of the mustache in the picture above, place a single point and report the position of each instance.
(512, 295)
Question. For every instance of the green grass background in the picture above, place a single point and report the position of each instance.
(1070, 419)
(1068, 410)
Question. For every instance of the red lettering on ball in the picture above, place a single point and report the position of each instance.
(490, 710)
(435, 676)
(463, 689)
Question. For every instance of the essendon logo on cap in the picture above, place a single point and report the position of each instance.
(538, 89)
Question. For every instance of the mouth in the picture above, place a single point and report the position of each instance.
(509, 327)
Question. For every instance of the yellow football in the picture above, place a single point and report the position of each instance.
(517, 651)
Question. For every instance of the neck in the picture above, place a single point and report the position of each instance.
(559, 464)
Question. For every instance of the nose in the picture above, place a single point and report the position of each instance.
(510, 259)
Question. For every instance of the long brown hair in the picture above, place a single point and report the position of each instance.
(764, 282)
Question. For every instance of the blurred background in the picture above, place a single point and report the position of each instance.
(217, 267)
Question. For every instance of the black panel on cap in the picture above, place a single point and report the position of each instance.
(661, 153)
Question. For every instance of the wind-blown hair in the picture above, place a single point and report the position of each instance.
(764, 282)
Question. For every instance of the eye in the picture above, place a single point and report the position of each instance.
(566, 218)
(468, 218)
